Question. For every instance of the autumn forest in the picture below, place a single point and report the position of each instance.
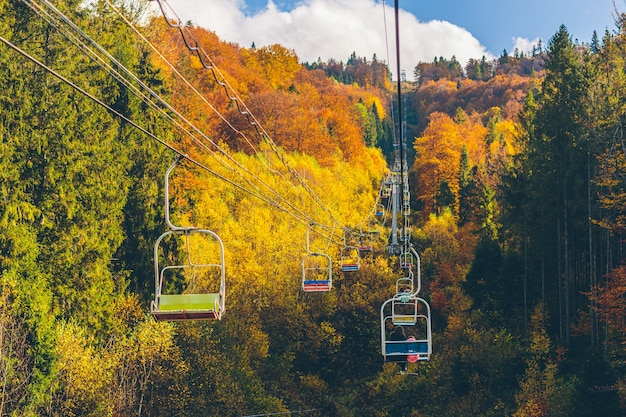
(517, 175)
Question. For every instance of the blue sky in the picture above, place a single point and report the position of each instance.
(327, 29)
(496, 22)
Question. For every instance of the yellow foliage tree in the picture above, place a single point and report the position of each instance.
(438, 154)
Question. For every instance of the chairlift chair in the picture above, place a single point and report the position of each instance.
(317, 272)
(207, 304)
(416, 323)
(406, 260)
(379, 211)
(207, 300)
(405, 285)
(385, 191)
(350, 259)
(366, 244)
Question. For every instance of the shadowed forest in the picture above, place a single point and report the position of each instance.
(517, 173)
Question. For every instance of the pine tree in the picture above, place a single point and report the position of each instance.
(557, 160)
(467, 189)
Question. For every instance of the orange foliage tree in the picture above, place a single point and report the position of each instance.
(610, 301)
(446, 259)
(438, 154)
(300, 110)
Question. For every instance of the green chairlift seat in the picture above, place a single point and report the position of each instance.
(178, 307)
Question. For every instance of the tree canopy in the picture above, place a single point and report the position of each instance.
(516, 170)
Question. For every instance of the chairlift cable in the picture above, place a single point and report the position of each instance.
(393, 121)
(85, 49)
(241, 107)
(185, 80)
(140, 128)
(203, 98)
(146, 98)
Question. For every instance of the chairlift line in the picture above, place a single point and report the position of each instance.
(405, 310)
(133, 89)
(192, 44)
(140, 128)
(182, 77)
(144, 97)
(225, 85)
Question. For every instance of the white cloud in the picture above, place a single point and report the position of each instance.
(525, 45)
(335, 29)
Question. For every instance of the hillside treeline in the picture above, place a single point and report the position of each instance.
(518, 215)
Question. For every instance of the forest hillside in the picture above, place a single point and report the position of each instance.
(516, 171)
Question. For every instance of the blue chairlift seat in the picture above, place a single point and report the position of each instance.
(316, 286)
(379, 211)
(397, 351)
(349, 267)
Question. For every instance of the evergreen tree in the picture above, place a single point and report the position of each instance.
(595, 43)
(557, 161)
(444, 198)
(467, 189)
